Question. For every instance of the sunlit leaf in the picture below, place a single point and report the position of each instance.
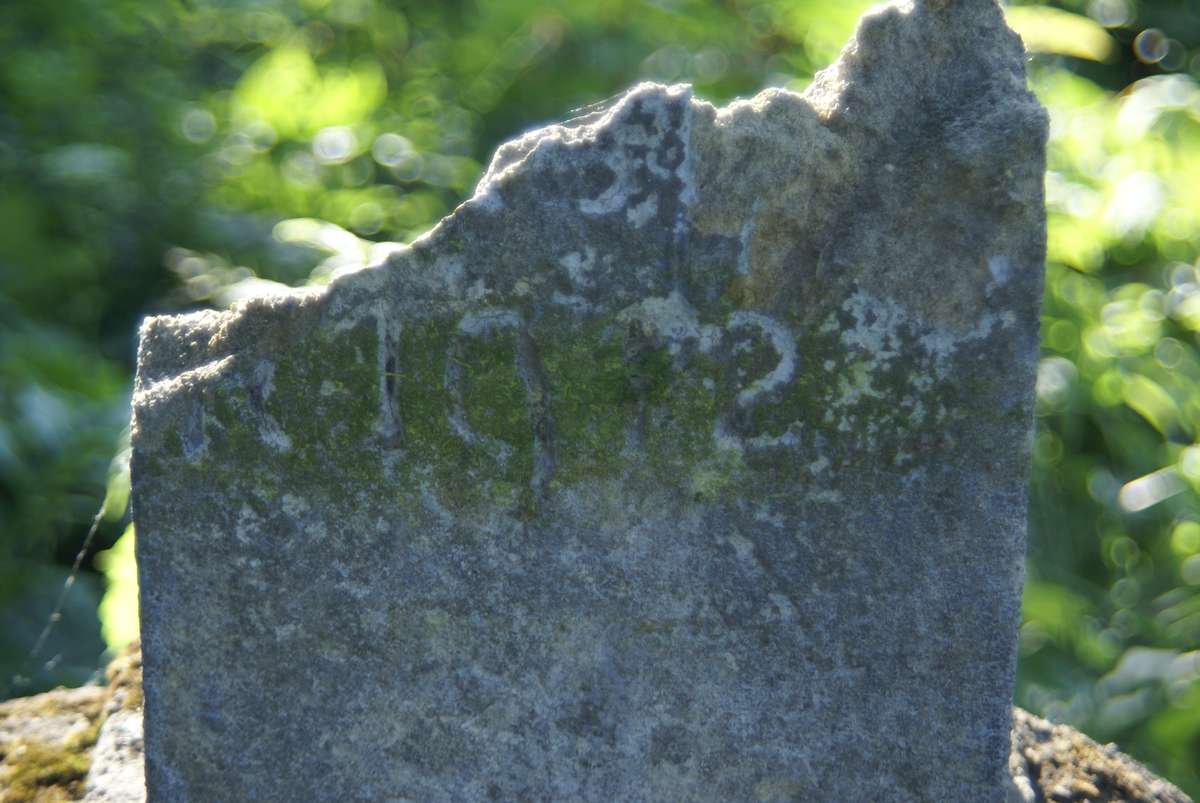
(119, 607)
(1052, 30)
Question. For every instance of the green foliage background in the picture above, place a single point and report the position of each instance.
(161, 155)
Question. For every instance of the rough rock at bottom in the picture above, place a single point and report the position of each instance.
(76, 744)
(1057, 763)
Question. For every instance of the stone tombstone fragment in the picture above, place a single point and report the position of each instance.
(686, 461)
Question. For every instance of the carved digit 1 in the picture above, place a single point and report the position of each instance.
(784, 344)
(529, 368)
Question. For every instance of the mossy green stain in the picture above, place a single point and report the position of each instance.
(618, 409)
(595, 392)
(36, 771)
(496, 402)
(497, 467)
(331, 437)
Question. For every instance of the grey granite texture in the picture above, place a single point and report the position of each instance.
(1048, 762)
(117, 773)
(686, 461)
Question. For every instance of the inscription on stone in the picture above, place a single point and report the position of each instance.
(492, 355)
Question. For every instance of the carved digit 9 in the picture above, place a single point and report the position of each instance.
(486, 324)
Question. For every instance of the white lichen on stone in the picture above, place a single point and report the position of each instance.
(671, 318)
(640, 214)
(579, 266)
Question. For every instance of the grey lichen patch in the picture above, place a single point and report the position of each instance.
(783, 790)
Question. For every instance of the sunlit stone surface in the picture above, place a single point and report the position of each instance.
(685, 462)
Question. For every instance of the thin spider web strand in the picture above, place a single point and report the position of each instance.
(68, 584)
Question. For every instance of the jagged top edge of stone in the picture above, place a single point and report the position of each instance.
(822, 96)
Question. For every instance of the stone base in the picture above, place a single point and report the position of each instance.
(86, 744)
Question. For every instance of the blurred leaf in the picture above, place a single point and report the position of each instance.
(285, 90)
(1045, 29)
(1057, 609)
(119, 607)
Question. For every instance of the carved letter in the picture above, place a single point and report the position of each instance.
(487, 324)
(766, 387)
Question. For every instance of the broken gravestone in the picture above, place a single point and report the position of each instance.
(685, 461)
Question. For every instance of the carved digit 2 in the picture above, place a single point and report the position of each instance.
(784, 343)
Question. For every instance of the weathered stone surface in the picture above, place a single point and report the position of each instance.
(1058, 763)
(58, 745)
(117, 772)
(1048, 762)
(685, 461)
(44, 744)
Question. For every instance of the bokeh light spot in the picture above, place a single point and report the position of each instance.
(1151, 46)
(1147, 491)
(1110, 13)
(334, 145)
(1190, 570)
(1185, 538)
(198, 125)
(391, 149)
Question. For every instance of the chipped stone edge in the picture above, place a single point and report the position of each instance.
(823, 96)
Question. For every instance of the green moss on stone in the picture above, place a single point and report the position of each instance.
(594, 401)
(622, 408)
(291, 426)
(36, 772)
(466, 472)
